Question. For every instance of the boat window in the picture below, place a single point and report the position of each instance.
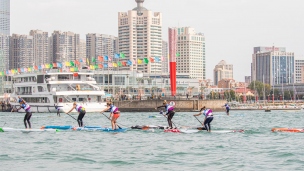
(40, 79)
(40, 89)
(74, 99)
(63, 77)
(80, 99)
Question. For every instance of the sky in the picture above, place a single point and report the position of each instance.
(231, 27)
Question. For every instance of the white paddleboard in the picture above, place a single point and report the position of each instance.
(188, 131)
(6, 129)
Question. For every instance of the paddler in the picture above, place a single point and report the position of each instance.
(169, 112)
(114, 114)
(28, 113)
(208, 117)
(227, 108)
(81, 111)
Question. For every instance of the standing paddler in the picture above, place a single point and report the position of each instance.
(114, 114)
(28, 113)
(227, 108)
(81, 110)
(169, 112)
(208, 117)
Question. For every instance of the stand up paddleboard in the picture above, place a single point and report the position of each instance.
(287, 130)
(5, 129)
(172, 130)
(63, 127)
(115, 130)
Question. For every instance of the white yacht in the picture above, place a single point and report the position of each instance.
(44, 91)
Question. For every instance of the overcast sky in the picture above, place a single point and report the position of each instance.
(231, 27)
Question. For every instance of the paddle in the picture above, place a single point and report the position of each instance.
(167, 118)
(73, 118)
(110, 119)
(201, 123)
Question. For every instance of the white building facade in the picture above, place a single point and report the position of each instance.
(222, 71)
(190, 58)
(40, 47)
(21, 51)
(140, 36)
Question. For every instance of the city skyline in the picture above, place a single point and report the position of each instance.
(231, 28)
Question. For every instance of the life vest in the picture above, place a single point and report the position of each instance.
(113, 109)
(26, 107)
(79, 108)
(208, 113)
(169, 108)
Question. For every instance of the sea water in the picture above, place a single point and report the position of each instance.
(256, 149)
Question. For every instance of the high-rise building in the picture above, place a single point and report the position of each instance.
(165, 59)
(140, 36)
(82, 49)
(101, 45)
(272, 65)
(21, 51)
(40, 47)
(222, 71)
(65, 46)
(4, 52)
(299, 63)
(248, 79)
(190, 57)
(5, 17)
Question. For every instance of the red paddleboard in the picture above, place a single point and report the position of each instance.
(172, 130)
(287, 130)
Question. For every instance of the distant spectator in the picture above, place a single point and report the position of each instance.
(187, 96)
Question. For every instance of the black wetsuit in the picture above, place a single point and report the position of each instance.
(169, 114)
(27, 116)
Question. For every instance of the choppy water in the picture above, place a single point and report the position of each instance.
(256, 149)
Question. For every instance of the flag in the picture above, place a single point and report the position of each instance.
(19, 70)
(119, 64)
(162, 58)
(59, 65)
(122, 55)
(93, 59)
(88, 62)
(129, 62)
(139, 61)
(42, 66)
(146, 60)
(151, 59)
(105, 65)
(35, 67)
(114, 64)
(100, 66)
(2, 73)
(106, 58)
(72, 69)
(95, 66)
(28, 69)
(77, 62)
(80, 60)
(67, 64)
(100, 58)
(39, 67)
(157, 59)
(177, 54)
(110, 59)
(91, 66)
(54, 64)
(72, 63)
(116, 55)
(124, 63)
(51, 65)
(110, 64)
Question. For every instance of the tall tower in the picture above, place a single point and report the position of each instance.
(222, 71)
(140, 36)
(5, 17)
(191, 51)
(65, 46)
(40, 47)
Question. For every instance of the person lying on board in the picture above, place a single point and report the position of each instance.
(208, 117)
(114, 114)
(169, 112)
(81, 110)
